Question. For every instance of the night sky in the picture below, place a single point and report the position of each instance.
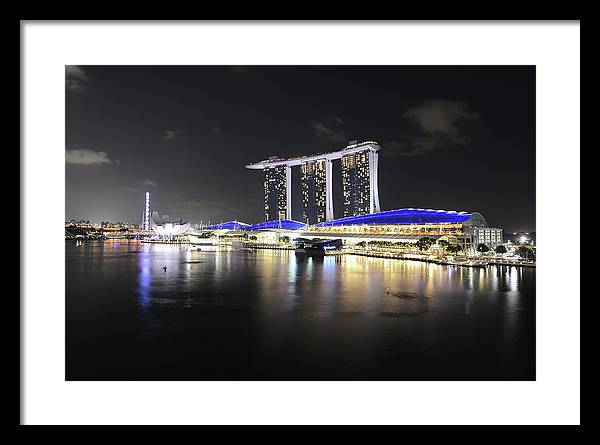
(454, 138)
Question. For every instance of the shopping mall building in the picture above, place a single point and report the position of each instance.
(402, 225)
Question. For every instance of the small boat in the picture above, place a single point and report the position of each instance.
(318, 252)
(202, 243)
(202, 240)
(480, 264)
(317, 247)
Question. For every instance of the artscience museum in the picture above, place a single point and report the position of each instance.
(166, 228)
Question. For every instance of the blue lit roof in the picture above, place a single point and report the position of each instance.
(279, 224)
(402, 216)
(230, 225)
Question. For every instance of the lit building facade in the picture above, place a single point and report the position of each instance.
(408, 225)
(314, 191)
(166, 228)
(84, 223)
(490, 236)
(359, 183)
(277, 193)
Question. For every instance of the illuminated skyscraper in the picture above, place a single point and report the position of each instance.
(359, 183)
(359, 178)
(315, 178)
(277, 193)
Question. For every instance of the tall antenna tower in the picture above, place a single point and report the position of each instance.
(146, 222)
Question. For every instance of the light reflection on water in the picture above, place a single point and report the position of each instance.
(284, 316)
(319, 287)
(145, 288)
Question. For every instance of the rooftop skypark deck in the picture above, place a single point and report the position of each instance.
(276, 161)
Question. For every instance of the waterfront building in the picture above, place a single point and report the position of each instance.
(360, 160)
(284, 224)
(78, 232)
(83, 224)
(229, 225)
(167, 228)
(404, 225)
(314, 190)
(121, 225)
(277, 187)
(359, 183)
(407, 225)
(85, 230)
(271, 232)
(490, 236)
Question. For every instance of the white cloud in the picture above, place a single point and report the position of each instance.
(149, 182)
(76, 79)
(330, 128)
(131, 189)
(169, 135)
(85, 156)
(441, 116)
(440, 124)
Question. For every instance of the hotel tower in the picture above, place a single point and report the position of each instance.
(359, 183)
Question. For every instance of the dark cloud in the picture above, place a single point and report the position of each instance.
(440, 124)
(330, 128)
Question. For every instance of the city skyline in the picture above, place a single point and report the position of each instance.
(456, 138)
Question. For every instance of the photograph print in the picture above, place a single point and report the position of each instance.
(300, 222)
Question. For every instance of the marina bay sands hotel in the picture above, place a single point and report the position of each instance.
(359, 183)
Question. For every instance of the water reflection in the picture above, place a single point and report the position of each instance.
(234, 314)
(312, 286)
(145, 278)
